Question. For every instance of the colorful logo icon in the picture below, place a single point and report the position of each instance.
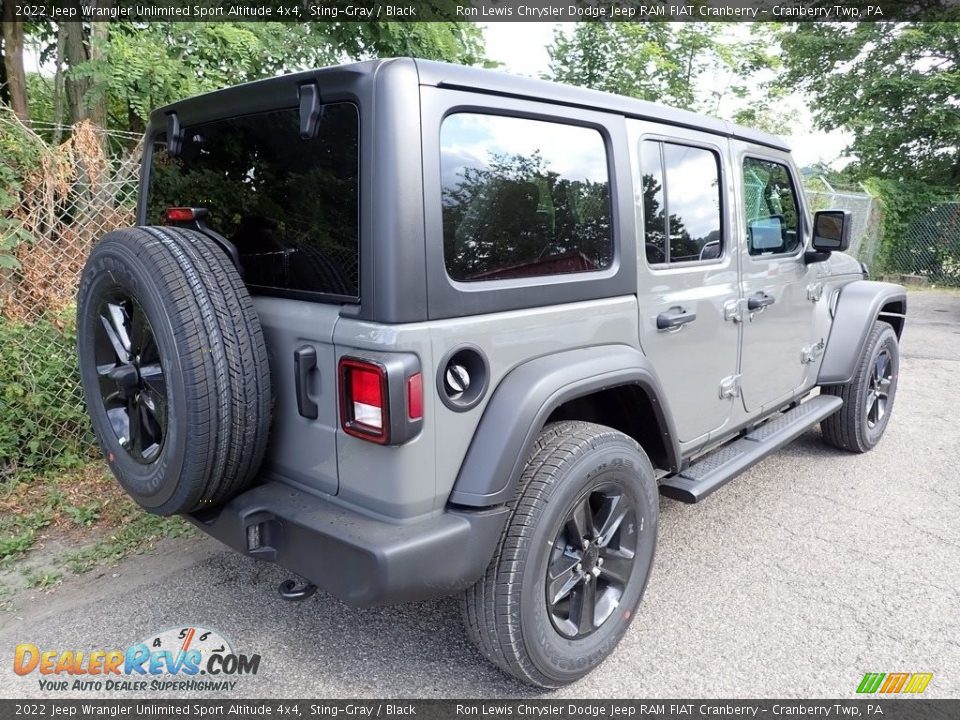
(892, 683)
(185, 652)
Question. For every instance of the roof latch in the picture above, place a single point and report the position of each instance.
(310, 111)
(174, 135)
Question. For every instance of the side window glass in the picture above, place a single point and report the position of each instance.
(681, 203)
(771, 208)
(523, 198)
(654, 205)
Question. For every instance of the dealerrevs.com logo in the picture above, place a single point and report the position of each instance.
(176, 660)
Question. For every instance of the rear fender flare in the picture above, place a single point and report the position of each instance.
(857, 308)
(525, 398)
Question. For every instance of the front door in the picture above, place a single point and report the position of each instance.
(780, 291)
(687, 272)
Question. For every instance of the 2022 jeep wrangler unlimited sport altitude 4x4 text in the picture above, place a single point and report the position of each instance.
(409, 329)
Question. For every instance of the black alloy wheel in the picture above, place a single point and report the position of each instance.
(591, 562)
(132, 386)
(878, 389)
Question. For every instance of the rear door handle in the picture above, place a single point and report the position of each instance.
(760, 301)
(675, 317)
(305, 362)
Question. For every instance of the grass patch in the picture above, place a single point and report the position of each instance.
(42, 579)
(137, 536)
(83, 508)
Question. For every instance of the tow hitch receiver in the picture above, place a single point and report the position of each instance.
(292, 591)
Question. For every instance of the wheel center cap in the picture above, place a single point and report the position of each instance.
(127, 378)
(590, 557)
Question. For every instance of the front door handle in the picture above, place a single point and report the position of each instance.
(675, 317)
(760, 301)
(305, 362)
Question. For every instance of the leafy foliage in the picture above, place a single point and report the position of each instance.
(895, 86)
(668, 63)
(147, 65)
(39, 426)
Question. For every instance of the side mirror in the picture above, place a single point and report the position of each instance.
(831, 232)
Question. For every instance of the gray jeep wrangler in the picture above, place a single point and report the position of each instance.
(409, 329)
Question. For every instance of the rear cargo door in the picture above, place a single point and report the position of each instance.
(303, 444)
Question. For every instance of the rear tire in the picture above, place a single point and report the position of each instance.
(174, 368)
(868, 398)
(579, 475)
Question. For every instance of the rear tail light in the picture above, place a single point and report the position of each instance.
(364, 400)
(179, 215)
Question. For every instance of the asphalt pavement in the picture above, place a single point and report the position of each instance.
(808, 571)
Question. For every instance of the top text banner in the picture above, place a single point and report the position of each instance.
(487, 10)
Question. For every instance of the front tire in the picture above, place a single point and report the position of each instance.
(868, 397)
(574, 558)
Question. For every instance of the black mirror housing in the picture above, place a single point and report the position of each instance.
(831, 230)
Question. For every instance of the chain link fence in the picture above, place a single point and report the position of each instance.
(926, 253)
(55, 202)
(929, 250)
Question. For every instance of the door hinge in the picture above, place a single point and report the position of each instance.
(730, 387)
(733, 310)
(812, 353)
(815, 291)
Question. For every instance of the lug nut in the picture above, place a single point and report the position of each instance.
(596, 571)
(579, 567)
(599, 561)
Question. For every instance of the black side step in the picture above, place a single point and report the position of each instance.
(725, 463)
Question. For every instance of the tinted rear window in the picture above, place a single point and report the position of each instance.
(523, 198)
(289, 205)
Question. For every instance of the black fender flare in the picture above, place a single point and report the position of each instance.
(524, 399)
(857, 308)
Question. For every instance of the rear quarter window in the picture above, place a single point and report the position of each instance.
(290, 205)
(523, 198)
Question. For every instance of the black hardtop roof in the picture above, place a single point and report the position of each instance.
(491, 81)
(440, 74)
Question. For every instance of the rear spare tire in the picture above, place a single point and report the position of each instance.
(174, 368)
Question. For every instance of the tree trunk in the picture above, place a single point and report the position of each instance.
(99, 33)
(58, 89)
(16, 81)
(78, 49)
(75, 51)
(4, 92)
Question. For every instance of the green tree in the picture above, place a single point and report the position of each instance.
(140, 66)
(894, 86)
(689, 65)
(13, 86)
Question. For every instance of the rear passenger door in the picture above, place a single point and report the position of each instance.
(688, 281)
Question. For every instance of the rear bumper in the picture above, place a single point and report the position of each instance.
(361, 560)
